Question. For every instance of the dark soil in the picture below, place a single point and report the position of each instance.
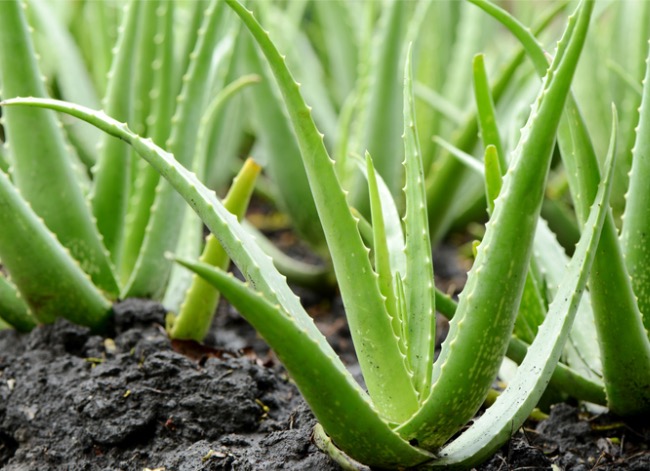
(71, 400)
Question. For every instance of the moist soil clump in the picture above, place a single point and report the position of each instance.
(72, 400)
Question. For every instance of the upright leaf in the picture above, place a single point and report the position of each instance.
(418, 279)
(377, 347)
(635, 237)
(112, 174)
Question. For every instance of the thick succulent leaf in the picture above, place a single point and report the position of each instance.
(485, 111)
(40, 162)
(190, 241)
(251, 260)
(493, 176)
(377, 348)
(381, 252)
(636, 221)
(146, 178)
(418, 280)
(515, 404)
(49, 280)
(112, 174)
(552, 260)
(392, 223)
(337, 401)
(501, 264)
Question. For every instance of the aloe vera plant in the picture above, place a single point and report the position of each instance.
(617, 311)
(413, 406)
(76, 239)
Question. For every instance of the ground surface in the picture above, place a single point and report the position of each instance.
(70, 400)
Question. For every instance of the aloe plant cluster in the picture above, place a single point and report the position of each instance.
(372, 220)
(82, 228)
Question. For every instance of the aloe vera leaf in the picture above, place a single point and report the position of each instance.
(112, 178)
(284, 163)
(196, 313)
(392, 224)
(48, 279)
(72, 76)
(383, 367)
(339, 404)
(625, 364)
(418, 279)
(636, 220)
(383, 100)
(486, 111)
(548, 254)
(552, 260)
(629, 47)
(493, 173)
(565, 378)
(151, 270)
(531, 307)
(145, 49)
(382, 254)
(380, 244)
(13, 308)
(501, 263)
(43, 163)
(445, 177)
(159, 127)
(516, 403)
